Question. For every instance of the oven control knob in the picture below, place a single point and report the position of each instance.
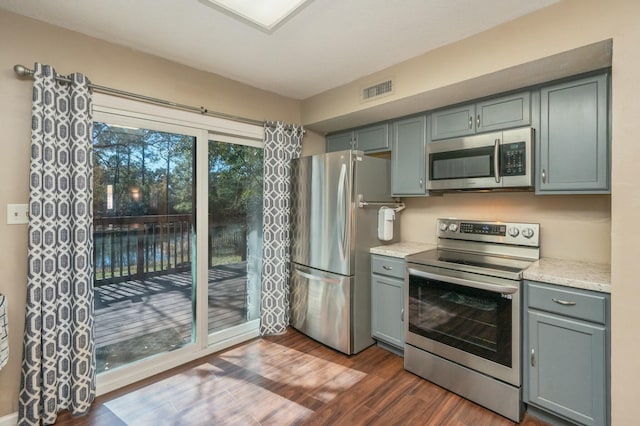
(453, 227)
(527, 232)
(443, 226)
(513, 232)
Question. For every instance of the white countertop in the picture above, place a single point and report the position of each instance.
(402, 249)
(569, 273)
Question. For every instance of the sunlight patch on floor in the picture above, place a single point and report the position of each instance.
(253, 384)
(319, 378)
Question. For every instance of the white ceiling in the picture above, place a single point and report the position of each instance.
(326, 44)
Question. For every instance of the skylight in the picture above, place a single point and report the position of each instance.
(265, 14)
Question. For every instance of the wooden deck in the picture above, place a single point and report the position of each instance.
(138, 318)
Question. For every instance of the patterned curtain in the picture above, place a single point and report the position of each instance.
(282, 144)
(58, 365)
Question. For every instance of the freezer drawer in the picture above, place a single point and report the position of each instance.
(321, 306)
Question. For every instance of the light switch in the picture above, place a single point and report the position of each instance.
(17, 214)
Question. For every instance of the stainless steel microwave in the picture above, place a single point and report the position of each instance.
(486, 161)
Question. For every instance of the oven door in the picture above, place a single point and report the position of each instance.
(470, 319)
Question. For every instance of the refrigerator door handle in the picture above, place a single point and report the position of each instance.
(316, 277)
(342, 213)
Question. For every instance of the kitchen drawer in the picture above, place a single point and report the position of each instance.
(568, 302)
(389, 266)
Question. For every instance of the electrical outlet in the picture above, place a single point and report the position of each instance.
(17, 214)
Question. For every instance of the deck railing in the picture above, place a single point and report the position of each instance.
(141, 246)
(137, 247)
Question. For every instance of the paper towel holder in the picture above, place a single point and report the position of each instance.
(395, 205)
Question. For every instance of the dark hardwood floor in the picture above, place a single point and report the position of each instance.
(288, 380)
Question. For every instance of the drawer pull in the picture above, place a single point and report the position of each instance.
(387, 268)
(563, 302)
(533, 357)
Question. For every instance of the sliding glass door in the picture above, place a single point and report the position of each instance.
(144, 192)
(234, 234)
(178, 237)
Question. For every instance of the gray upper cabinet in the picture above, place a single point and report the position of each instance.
(567, 356)
(373, 138)
(504, 112)
(573, 149)
(492, 114)
(340, 142)
(453, 122)
(368, 139)
(408, 156)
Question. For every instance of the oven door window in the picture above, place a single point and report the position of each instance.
(472, 320)
(462, 164)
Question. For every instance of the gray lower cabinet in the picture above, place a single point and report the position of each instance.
(368, 139)
(408, 156)
(566, 360)
(492, 114)
(387, 300)
(573, 151)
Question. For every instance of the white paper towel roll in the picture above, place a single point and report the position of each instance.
(386, 216)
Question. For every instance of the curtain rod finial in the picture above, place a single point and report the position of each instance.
(22, 71)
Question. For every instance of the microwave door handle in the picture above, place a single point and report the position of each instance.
(496, 160)
(494, 288)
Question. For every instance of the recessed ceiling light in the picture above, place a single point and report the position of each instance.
(267, 15)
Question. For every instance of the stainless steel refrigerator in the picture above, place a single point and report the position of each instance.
(330, 276)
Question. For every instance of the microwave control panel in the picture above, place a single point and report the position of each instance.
(514, 159)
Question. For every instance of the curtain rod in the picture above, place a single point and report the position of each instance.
(24, 72)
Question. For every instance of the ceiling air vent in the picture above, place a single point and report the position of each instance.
(377, 90)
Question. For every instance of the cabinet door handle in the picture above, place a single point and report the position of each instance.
(478, 121)
(533, 357)
(402, 315)
(421, 182)
(563, 302)
(388, 268)
(544, 176)
(471, 122)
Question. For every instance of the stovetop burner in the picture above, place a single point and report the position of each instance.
(504, 267)
(499, 249)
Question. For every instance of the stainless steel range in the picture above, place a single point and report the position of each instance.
(463, 301)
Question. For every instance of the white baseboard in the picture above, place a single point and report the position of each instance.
(9, 419)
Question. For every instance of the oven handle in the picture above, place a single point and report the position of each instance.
(494, 288)
(496, 160)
